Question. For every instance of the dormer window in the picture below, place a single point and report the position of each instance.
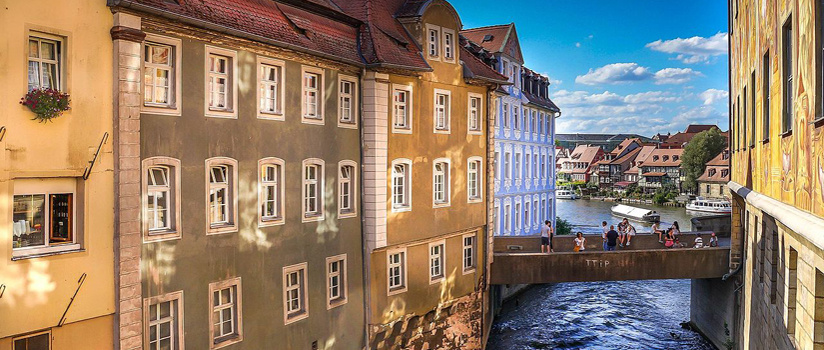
(712, 172)
(448, 44)
(725, 172)
(433, 40)
(655, 158)
(674, 158)
(666, 158)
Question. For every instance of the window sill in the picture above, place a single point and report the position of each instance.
(347, 215)
(440, 205)
(475, 200)
(271, 116)
(271, 222)
(765, 141)
(221, 113)
(818, 122)
(160, 110)
(475, 132)
(216, 230)
(67, 249)
(396, 130)
(229, 340)
(442, 131)
(296, 317)
(396, 291)
(159, 236)
(312, 120)
(335, 303)
(435, 280)
(347, 125)
(401, 209)
(312, 218)
(469, 271)
(787, 133)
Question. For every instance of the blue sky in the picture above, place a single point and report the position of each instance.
(640, 66)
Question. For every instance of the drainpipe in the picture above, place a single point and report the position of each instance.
(367, 255)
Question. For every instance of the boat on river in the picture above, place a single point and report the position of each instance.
(715, 206)
(635, 213)
(566, 194)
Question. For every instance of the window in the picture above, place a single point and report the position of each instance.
(497, 165)
(433, 40)
(752, 104)
(222, 200)
(505, 115)
(436, 261)
(161, 198)
(270, 88)
(158, 74)
(225, 318)
(766, 86)
(474, 114)
(507, 210)
(516, 117)
(336, 288)
(396, 267)
(45, 62)
(442, 110)
(221, 84)
(517, 216)
(401, 185)
(518, 170)
(271, 191)
(37, 341)
(469, 253)
(440, 182)
(43, 216)
(474, 179)
(348, 103)
(163, 317)
(312, 95)
(347, 189)
(787, 73)
(402, 109)
(507, 166)
(294, 293)
(313, 189)
(448, 45)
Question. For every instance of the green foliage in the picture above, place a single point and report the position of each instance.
(700, 150)
(659, 198)
(729, 344)
(562, 227)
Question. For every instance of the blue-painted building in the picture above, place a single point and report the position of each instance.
(524, 137)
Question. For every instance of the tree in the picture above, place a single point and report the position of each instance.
(700, 150)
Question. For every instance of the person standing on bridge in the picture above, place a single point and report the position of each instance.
(605, 228)
(580, 242)
(546, 237)
(612, 238)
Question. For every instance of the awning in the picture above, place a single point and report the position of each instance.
(654, 174)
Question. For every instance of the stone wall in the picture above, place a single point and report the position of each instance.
(456, 325)
(712, 304)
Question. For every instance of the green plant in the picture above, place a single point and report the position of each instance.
(46, 104)
(700, 150)
(729, 344)
(562, 227)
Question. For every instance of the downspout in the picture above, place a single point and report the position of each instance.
(367, 255)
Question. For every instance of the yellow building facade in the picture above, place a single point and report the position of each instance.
(777, 183)
(56, 178)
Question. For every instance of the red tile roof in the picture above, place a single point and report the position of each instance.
(498, 34)
(475, 68)
(303, 27)
(657, 158)
(722, 159)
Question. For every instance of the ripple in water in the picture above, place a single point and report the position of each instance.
(599, 315)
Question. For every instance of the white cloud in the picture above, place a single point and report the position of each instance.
(675, 75)
(693, 50)
(652, 97)
(577, 44)
(711, 96)
(614, 73)
(590, 36)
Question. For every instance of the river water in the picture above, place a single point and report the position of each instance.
(600, 315)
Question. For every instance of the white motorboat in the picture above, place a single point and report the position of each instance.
(566, 194)
(636, 214)
(717, 206)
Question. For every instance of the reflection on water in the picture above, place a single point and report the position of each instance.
(598, 315)
(586, 216)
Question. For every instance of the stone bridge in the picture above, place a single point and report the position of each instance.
(518, 260)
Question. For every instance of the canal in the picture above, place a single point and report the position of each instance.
(600, 315)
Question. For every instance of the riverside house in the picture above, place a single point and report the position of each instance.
(662, 167)
(713, 182)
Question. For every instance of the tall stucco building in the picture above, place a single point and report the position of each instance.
(523, 134)
(238, 148)
(777, 183)
(56, 261)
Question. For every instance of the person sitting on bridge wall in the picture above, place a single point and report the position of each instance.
(629, 232)
(699, 242)
(612, 238)
(580, 242)
(656, 230)
(674, 229)
(669, 239)
(713, 240)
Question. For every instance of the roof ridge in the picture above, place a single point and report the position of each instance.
(485, 27)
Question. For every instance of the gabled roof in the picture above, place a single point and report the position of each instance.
(664, 157)
(644, 154)
(624, 145)
(317, 27)
(722, 159)
(715, 174)
(627, 157)
(696, 128)
(502, 38)
(474, 68)
(585, 153)
(534, 99)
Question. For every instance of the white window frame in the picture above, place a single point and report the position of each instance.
(518, 216)
(433, 45)
(174, 106)
(449, 50)
(507, 217)
(352, 182)
(318, 119)
(343, 286)
(302, 288)
(409, 109)
(320, 182)
(473, 251)
(32, 335)
(447, 111)
(447, 188)
(353, 102)
(392, 290)
(238, 314)
(505, 115)
(174, 230)
(47, 187)
(507, 165)
(177, 318)
(59, 61)
(479, 114)
(280, 190)
(231, 109)
(518, 166)
(407, 185)
(232, 203)
(441, 257)
(278, 113)
(479, 179)
(516, 118)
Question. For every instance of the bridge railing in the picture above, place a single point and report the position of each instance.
(594, 242)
